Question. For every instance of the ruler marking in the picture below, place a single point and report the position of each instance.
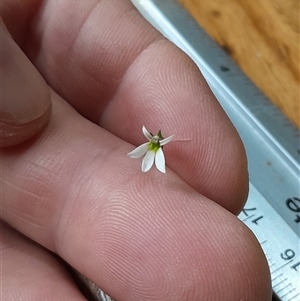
(279, 268)
(271, 265)
(288, 292)
(280, 282)
(273, 279)
(248, 217)
(294, 266)
(286, 286)
(255, 221)
(293, 297)
(269, 259)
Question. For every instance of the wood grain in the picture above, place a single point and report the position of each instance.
(263, 38)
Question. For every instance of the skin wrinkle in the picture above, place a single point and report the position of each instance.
(137, 58)
(109, 86)
(76, 38)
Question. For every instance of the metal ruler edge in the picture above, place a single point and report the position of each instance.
(272, 210)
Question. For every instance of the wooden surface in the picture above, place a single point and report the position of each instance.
(262, 36)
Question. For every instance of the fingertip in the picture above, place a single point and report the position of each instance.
(25, 101)
(12, 134)
(251, 277)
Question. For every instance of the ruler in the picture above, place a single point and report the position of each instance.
(272, 210)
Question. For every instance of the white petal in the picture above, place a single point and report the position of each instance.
(139, 151)
(148, 161)
(160, 160)
(166, 140)
(146, 133)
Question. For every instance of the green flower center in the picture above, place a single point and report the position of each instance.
(154, 144)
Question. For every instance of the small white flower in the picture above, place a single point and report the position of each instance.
(153, 151)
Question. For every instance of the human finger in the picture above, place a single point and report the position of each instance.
(25, 98)
(122, 75)
(29, 272)
(139, 237)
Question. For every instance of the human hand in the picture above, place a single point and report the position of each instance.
(73, 191)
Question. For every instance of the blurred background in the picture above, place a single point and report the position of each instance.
(263, 38)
